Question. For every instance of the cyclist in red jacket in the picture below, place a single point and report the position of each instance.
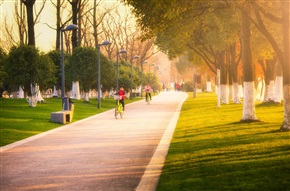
(122, 93)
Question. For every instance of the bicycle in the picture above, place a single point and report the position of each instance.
(148, 97)
(119, 107)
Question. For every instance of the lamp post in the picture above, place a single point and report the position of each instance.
(141, 76)
(135, 57)
(155, 68)
(105, 43)
(71, 27)
(117, 68)
(149, 73)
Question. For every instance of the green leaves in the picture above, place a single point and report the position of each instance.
(25, 65)
(83, 67)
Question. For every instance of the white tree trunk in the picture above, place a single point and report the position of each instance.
(224, 94)
(39, 97)
(236, 94)
(86, 96)
(269, 91)
(32, 100)
(55, 92)
(231, 93)
(249, 112)
(216, 90)
(260, 90)
(264, 98)
(278, 94)
(76, 90)
(286, 123)
(208, 87)
(241, 94)
(20, 92)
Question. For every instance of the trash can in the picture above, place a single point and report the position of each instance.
(65, 103)
(72, 109)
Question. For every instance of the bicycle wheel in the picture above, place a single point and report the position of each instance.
(148, 101)
(116, 112)
(148, 98)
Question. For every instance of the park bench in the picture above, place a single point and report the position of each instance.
(62, 116)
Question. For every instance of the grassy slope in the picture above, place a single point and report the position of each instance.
(212, 150)
(19, 121)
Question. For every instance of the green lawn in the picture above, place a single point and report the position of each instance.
(19, 121)
(212, 150)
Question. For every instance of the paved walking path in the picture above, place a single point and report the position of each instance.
(99, 153)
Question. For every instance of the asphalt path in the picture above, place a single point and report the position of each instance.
(99, 153)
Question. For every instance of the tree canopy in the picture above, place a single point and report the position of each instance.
(26, 66)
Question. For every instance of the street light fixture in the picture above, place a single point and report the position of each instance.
(135, 57)
(117, 68)
(105, 43)
(65, 103)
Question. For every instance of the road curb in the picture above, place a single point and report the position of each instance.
(150, 179)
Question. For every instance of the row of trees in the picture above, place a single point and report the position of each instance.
(224, 34)
(26, 66)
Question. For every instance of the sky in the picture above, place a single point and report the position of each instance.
(45, 36)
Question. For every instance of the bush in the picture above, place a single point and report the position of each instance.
(188, 86)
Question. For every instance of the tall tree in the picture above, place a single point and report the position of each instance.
(27, 67)
(282, 51)
(249, 113)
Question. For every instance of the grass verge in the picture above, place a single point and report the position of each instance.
(19, 121)
(212, 150)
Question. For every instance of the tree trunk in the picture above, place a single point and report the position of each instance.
(32, 98)
(79, 32)
(20, 12)
(269, 91)
(58, 27)
(236, 93)
(241, 91)
(208, 86)
(20, 93)
(55, 92)
(224, 93)
(95, 27)
(86, 96)
(76, 90)
(224, 78)
(260, 90)
(269, 68)
(75, 10)
(30, 21)
(39, 97)
(278, 84)
(234, 74)
(286, 66)
(249, 113)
